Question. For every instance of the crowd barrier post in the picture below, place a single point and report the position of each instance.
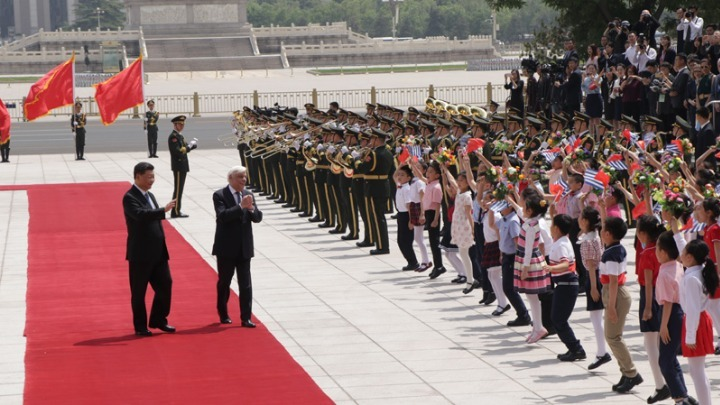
(314, 97)
(489, 92)
(136, 113)
(431, 91)
(373, 95)
(196, 104)
(256, 98)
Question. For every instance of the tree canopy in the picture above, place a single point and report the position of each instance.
(112, 14)
(418, 18)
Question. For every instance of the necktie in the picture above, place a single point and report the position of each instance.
(149, 200)
(237, 197)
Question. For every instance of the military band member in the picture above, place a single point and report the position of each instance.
(179, 164)
(77, 123)
(151, 128)
(375, 166)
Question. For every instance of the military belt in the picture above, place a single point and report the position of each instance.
(375, 177)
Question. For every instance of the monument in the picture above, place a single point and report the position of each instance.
(188, 17)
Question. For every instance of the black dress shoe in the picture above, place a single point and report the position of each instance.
(336, 231)
(572, 356)
(349, 237)
(364, 244)
(630, 383)
(500, 310)
(659, 395)
(325, 225)
(180, 215)
(143, 332)
(491, 297)
(226, 320)
(315, 219)
(264, 194)
(619, 383)
(165, 328)
(280, 201)
(520, 321)
(459, 280)
(475, 284)
(288, 205)
(247, 324)
(436, 272)
(411, 267)
(296, 210)
(380, 252)
(304, 215)
(599, 361)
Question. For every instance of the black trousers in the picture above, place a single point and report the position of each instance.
(563, 303)
(376, 209)
(434, 239)
(79, 142)
(158, 275)
(323, 200)
(405, 238)
(359, 199)
(669, 365)
(152, 137)
(226, 269)
(5, 151)
(508, 282)
(178, 187)
(573, 236)
(481, 273)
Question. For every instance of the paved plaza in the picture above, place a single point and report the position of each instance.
(366, 332)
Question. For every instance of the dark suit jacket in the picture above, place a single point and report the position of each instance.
(178, 152)
(679, 85)
(669, 56)
(572, 89)
(146, 238)
(704, 140)
(233, 225)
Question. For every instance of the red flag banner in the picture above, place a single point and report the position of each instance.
(54, 90)
(475, 144)
(603, 177)
(404, 155)
(4, 123)
(120, 92)
(639, 210)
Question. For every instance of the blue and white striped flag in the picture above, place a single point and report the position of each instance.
(673, 149)
(592, 181)
(549, 155)
(415, 150)
(499, 206)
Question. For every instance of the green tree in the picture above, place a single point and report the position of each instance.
(111, 14)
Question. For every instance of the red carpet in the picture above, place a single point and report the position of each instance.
(80, 343)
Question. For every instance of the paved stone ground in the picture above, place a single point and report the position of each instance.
(365, 331)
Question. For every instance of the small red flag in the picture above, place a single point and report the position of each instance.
(120, 92)
(475, 144)
(639, 210)
(4, 123)
(616, 157)
(689, 224)
(54, 90)
(603, 177)
(626, 135)
(641, 144)
(634, 166)
(556, 189)
(404, 155)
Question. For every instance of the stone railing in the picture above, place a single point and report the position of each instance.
(310, 29)
(427, 45)
(45, 55)
(72, 36)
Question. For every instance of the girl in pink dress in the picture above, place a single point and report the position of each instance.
(462, 228)
(530, 276)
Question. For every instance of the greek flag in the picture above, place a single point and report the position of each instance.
(549, 155)
(673, 149)
(697, 227)
(618, 165)
(499, 206)
(592, 181)
(415, 150)
(562, 183)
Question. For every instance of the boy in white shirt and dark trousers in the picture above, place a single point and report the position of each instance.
(405, 234)
(564, 275)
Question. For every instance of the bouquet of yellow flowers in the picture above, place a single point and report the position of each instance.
(492, 175)
(687, 147)
(673, 165)
(671, 199)
(501, 190)
(578, 155)
(612, 172)
(644, 178)
(555, 139)
(708, 191)
(513, 174)
(446, 157)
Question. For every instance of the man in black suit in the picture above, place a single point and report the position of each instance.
(147, 253)
(571, 88)
(679, 85)
(179, 164)
(705, 137)
(235, 211)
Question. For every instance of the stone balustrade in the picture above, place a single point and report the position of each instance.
(311, 29)
(72, 36)
(426, 45)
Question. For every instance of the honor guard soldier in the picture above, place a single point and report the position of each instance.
(179, 164)
(376, 166)
(492, 108)
(580, 125)
(653, 142)
(151, 128)
(77, 122)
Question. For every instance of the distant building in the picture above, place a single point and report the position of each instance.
(25, 17)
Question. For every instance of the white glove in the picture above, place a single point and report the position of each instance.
(344, 149)
(307, 144)
(355, 154)
(320, 147)
(398, 149)
(331, 149)
(75, 123)
(296, 145)
(307, 136)
(235, 131)
(426, 151)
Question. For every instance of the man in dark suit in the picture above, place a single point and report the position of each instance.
(705, 137)
(571, 88)
(147, 253)
(179, 150)
(235, 211)
(679, 85)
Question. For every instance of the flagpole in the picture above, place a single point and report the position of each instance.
(73, 76)
(142, 74)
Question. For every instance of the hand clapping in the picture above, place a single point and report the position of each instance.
(247, 202)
